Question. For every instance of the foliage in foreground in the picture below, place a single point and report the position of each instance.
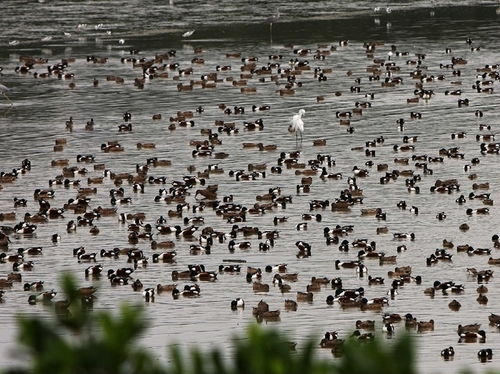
(77, 341)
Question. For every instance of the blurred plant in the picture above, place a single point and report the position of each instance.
(262, 352)
(376, 356)
(79, 341)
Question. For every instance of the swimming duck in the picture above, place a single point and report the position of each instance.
(149, 294)
(346, 264)
(94, 270)
(305, 296)
(365, 325)
(425, 326)
(388, 328)
(260, 287)
(237, 303)
(448, 353)
(485, 354)
(470, 336)
(45, 297)
(33, 286)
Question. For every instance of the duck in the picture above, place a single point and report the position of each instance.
(187, 274)
(149, 294)
(23, 266)
(448, 353)
(261, 307)
(471, 336)
(485, 354)
(33, 286)
(137, 285)
(281, 268)
(121, 272)
(6, 283)
(331, 340)
(454, 305)
(494, 318)
(305, 296)
(388, 328)
(479, 211)
(365, 325)
(232, 245)
(320, 281)
(270, 315)
(482, 299)
(94, 270)
(349, 293)
(387, 259)
(36, 218)
(11, 258)
(189, 291)
(375, 280)
(206, 276)
(229, 268)
(482, 289)
(399, 236)
(346, 264)
(469, 328)
(45, 297)
(260, 287)
(425, 325)
(290, 305)
(237, 303)
(360, 172)
(24, 228)
(361, 269)
(82, 256)
(494, 261)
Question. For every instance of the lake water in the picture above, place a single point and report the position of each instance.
(42, 106)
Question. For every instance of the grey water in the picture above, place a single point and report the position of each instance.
(41, 106)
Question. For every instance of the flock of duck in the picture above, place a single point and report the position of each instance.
(181, 231)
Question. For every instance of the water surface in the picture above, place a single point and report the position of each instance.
(42, 106)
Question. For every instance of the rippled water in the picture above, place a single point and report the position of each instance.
(41, 107)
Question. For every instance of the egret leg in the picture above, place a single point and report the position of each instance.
(4, 94)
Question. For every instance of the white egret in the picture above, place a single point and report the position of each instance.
(187, 34)
(3, 91)
(297, 125)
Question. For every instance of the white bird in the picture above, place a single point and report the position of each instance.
(3, 91)
(187, 34)
(121, 41)
(297, 125)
